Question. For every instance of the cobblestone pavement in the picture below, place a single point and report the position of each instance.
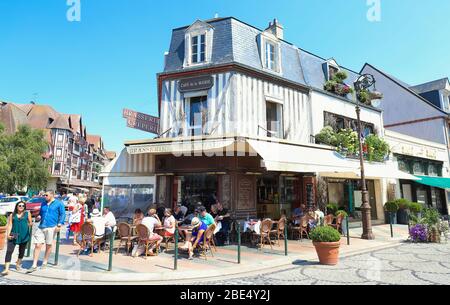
(406, 264)
(6, 281)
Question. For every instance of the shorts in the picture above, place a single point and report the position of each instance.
(155, 237)
(44, 236)
(168, 234)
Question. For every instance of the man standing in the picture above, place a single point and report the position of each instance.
(51, 218)
(223, 216)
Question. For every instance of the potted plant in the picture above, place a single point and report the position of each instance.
(332, 208)
(326, 240)
(416, 209)
(390, 212)
(3, 223)
(402, 213)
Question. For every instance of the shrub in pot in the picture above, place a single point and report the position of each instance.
(390, 211)
(402, 213)
(3, 223)
(326, 240)
(416, 209)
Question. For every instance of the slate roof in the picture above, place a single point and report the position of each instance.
(237, 42)
(435, 85)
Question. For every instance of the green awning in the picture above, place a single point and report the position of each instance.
(443, 183)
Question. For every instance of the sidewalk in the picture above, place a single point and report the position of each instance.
(159, 270)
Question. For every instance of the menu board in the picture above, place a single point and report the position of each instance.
(245, 194)
(357, 196)
(226, 191)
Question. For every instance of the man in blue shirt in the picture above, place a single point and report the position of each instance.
(51, 217)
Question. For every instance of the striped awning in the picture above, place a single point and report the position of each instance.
(126, 165)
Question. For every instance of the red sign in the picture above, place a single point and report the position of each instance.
(141, 121)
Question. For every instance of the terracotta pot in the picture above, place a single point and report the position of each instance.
(2, 237)
(328, 253)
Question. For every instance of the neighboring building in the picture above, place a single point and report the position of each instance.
(437, 92)
(75, 161)
(418, 131)
(239, 108)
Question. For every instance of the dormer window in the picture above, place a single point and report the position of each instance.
(332, 70)
(270, 56)
(270, 52)
(199, 48)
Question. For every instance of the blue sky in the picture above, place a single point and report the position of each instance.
(109, 60)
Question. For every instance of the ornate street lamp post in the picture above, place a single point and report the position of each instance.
(362, 85)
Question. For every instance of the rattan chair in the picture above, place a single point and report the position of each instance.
(144, 239)
(264, 234)
(88, 237)
(208, 240)
(126, 236)
(279, 231)
(302, 227)
(328, 220)
(339, 220)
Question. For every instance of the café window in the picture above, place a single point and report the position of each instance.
(403, 166)
(433, 170)
(198, 114)
(418, 168)
(198, 48)
(274, 120)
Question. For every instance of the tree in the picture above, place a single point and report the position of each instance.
(22, 165)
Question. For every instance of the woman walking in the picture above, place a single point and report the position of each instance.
(18, 232)
(77, 219)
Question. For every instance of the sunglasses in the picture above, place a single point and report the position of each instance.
(20, 206)
(46, 195)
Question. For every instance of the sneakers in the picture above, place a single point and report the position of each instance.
(31, 270)
(5, 273)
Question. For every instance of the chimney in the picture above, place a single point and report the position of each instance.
(166, 54)
(276, 29)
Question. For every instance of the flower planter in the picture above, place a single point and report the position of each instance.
(402, 217)
(2, 237)
(393, 217)
(328, 253)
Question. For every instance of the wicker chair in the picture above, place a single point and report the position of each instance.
(264, 234)
(339, 220)
(328, 220)
(126, 236)
(88, 238)
(279, 232)
(167, 239)
(208, 240)
(302, 227)
(144, 239)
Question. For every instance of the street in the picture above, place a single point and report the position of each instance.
(406, 264)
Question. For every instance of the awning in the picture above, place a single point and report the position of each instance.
(300, 159)
(373, 171)
(186, 147)
(130, 165)
(443, 183)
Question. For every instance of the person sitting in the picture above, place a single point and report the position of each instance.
(138, 216)
(110, 221)
(169, 224)
(213, 211)
(319, 215)
(178, 215)
(198, 236)
(223, 216)
(99, 224)
(205, 217)
(150, 222)
(160, 211)
(298, 214)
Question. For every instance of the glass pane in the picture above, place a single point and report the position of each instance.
(418, 168)
(198, 189)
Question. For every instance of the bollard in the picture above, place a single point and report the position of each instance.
(285, 239)
(239, 241)
(175, 259)
(390, 224)
(409, 223)
(348, 231)
(58, 239)
(111, 249)
(29, 244)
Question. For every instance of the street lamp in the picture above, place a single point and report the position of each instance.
(362, 84)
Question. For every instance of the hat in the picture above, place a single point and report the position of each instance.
(95, 213)
(195, 222)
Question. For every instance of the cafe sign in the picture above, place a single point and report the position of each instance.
(416, 151)
(141, 121)
(198, 83)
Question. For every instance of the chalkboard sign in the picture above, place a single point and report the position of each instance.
(195, 84)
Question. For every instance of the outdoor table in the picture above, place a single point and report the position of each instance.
(187, 229)
(253, 226)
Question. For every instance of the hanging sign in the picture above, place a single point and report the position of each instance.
(141, 121)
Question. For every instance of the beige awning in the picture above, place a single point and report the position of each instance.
(187, 147)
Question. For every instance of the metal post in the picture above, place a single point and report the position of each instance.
(409, 222)
(285, 239)
(348, 231)
(58, 238)
(175, 259)
(29, 243)
(239, 241)
(390, 224)
(111, 249)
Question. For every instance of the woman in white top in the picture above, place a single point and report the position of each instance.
(169, 223)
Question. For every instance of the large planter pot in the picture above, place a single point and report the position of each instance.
(393, 217)
(328, 253)
(402, 217)
(2, 237)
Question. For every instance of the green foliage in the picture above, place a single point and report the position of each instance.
(391, 206)
(364, 97)
(377, 148)
(347, 141)
(403, 203)
(22, 165)
(325, 234)
(327, 136)
(342, 212)
(431, 217)
(336, 84)
(415, 207)
(332, 208)
(3, 221)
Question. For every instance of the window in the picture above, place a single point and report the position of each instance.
(338, 122)
(270, 56)
(198, 114)
(60, 137)
(332, 70)
(199, 48)
(57, 167)
(59, 152)
(274, 119)
(418, 168)
(433, 170)
(77, 147)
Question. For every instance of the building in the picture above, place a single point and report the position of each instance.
(417, 129)
(75, 158)
(239, 108)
